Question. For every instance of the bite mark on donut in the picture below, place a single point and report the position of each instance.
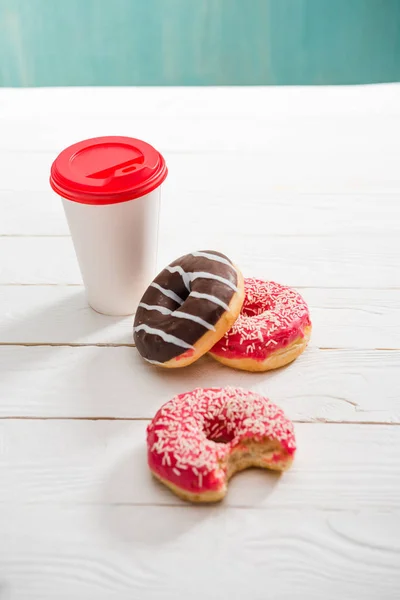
(200, 439)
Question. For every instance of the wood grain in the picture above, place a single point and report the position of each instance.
(301, 186)
(343, 102)
(182, 133)
(280, 169)
(47, 381)
(104, 462)
(57, 315)
(300, 261)
(347, 318)
(156, 553)
(41, 213)
(31, 213)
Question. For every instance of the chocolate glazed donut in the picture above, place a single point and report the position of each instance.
(188, 307)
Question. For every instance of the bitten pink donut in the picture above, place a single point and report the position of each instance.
(199, 439)
(272, 329)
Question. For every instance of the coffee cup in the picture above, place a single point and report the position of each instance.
(110, 188)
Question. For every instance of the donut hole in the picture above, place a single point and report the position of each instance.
(253, 310)
(222, 439)
(258, 301)
(184, 293)
(217, 431)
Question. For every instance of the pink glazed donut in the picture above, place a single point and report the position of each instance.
(199, 439)
(273, 328)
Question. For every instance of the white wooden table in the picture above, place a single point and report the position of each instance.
(297, 185)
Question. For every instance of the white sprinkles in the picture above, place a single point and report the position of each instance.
(178, 436)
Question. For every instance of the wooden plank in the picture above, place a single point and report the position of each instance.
(336, 385)
(153, 553)
(299, 261)
(352, 318)
(347, 318)
(31, 213)
(314, 169)
(274, 213)
(104, 462)
(41, 213)
(78, 511)
(265, 135)
(38, 261)
(310, 261)
(222, 102)
(57, 315)
(320, 170)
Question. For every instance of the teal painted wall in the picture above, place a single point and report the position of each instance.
(198, 42)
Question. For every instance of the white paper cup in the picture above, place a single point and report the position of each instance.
(110, 188)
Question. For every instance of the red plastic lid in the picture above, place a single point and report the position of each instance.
(107, 170)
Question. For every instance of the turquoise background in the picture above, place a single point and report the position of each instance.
(198, 42)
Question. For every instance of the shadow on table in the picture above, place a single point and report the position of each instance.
(40, 339)
(137, 508)
(66, 318)
(96, 387)
(5, 591)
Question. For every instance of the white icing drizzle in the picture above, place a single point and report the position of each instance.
(161, 309)
(204, 275)
(188, 277)
(180, 315)
(171, 339)
(153, 362)
(185, 276)
(211, 298)
(168, 293)
(215, 257)
(183, 315)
